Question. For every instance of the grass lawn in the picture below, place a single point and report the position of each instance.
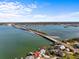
(70, 57)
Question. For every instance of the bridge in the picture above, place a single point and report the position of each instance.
(44, 35)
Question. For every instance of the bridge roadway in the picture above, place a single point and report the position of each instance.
(51, 39)
(44, 35)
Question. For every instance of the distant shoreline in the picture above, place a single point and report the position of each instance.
(39, 22)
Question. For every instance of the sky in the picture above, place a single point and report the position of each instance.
(39, 10)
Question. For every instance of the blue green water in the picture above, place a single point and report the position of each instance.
(17, 43)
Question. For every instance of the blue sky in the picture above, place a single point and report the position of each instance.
(39, 10)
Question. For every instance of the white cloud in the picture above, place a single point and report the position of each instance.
(74, 16)
(17, 12)
(66, 17)
(70, 15)
(17, 8)
(39, 16)
(32, 6)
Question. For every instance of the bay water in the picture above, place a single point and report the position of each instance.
(17, 43)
